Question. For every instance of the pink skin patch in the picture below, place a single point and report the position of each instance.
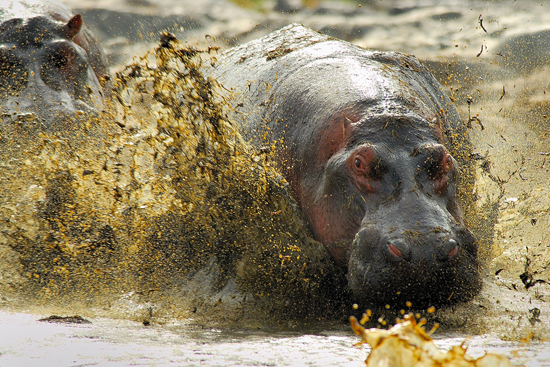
(330, 227)
(335, 136)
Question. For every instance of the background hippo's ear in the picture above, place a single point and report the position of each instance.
(73, 26)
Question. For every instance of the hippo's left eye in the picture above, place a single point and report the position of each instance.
(439, 164)
(366, 168)
(63, 56)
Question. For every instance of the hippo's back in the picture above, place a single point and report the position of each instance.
(301, 73)
(30, 8)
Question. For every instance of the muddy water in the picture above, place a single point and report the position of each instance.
(510, 316)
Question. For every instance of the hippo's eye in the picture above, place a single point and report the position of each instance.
(64, 68)
(365, 163)
(366, 168)
(63, 56)
(439, 164)
(13, 74)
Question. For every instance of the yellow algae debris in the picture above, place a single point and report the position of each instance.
(407, 344)
(160, 192)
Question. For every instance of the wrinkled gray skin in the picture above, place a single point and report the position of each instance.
(363, 138)
(50, 62)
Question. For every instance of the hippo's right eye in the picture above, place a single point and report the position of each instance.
(365, 168)
(439, 166)
(64, 68)
(63, 57)
(13, 74)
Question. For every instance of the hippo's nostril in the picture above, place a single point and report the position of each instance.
(447, 250)
(394, 250)
(398, 250)
(454, 248)
(453, 251)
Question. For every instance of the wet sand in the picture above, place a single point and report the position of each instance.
(109, 342)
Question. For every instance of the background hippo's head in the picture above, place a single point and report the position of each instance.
(49, 61)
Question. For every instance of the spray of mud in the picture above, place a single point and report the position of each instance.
(504, 102)
(156, 209)
(408, 344)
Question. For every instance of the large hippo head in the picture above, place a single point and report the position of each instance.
(49, 61)
(388, 210)
(367, 153)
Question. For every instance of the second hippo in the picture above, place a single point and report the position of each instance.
(50, 61)
(372, 148)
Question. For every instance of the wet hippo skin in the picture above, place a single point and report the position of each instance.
(364, 139)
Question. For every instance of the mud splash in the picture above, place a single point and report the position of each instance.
(408, 344)
(158, 208)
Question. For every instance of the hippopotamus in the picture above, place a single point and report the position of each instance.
(365, 140)
(49, 60)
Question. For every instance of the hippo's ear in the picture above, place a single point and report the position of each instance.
(73, 26)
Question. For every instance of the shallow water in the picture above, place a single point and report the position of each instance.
(24, 341)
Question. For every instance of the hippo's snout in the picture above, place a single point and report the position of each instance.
(413, 266)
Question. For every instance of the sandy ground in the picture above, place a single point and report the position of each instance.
(427, 29)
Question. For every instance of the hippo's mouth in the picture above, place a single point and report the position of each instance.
(377, 281)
